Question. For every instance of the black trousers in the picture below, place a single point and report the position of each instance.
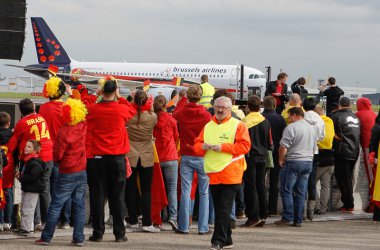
(223, 196)
(343, 174)
(254, 190)
(106, 179)
(376, 214)
(273, 185)
(311, 184)
(145, 175)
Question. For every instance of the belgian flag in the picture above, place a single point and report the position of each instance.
(159, 199)
(376, 190)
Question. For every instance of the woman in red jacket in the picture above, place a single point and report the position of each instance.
(166, 134)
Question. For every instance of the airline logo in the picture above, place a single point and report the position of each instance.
(198, 70)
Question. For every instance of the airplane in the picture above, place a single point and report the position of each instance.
(166, 77)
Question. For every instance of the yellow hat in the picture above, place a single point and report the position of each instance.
(74, 112)
(54, 88)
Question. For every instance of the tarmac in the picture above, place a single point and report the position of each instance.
(333, 231)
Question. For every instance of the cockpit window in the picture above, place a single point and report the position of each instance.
(262, 76)
(257, 76)
(251, 76)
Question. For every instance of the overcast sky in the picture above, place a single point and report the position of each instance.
(311, 38)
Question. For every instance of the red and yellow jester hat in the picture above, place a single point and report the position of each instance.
(74, 112)
(54, 88)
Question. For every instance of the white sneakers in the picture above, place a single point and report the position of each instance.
(151, 229)
(133, 225)
(64, 226)
(39, 227)
(7, 226)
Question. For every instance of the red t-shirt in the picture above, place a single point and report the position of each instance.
(106, 123)
(32, 127)
(279, 88)
(52, 112)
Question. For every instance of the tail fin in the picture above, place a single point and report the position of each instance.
(49, 49)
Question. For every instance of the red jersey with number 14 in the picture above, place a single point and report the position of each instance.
(32, 127)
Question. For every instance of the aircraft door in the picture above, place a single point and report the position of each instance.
(234, 76)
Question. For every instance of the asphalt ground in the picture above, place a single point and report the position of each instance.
(347, 235)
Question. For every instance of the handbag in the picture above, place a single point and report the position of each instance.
(269, 159)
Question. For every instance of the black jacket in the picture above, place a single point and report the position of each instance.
(332, 98)
(32, 177)
(347, 129)
(277, 124)
(271, 88)
(260, 141)
(375, 139)
(299, 89)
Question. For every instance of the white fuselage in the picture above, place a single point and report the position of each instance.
(220, 76)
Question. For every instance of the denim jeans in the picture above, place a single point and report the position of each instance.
(233, 210)
(189, 165)
(170, 172)
(68, 185)
(294, 177)
(6, 213)
(239, 199)
(66, 211)
(211, 214)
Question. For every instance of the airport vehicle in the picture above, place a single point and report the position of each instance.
(237, 79)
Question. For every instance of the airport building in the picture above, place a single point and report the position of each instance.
(22, 84)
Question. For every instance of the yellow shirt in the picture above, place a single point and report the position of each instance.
(329, 133)
(286, 115)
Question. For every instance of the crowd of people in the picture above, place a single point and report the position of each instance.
(214, 159)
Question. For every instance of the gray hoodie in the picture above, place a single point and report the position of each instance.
(319, 126)
(300, 140)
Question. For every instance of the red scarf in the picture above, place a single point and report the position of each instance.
(30, 156)
(146, 107)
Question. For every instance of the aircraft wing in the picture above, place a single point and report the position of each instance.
(93, 79)
(26, 68)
